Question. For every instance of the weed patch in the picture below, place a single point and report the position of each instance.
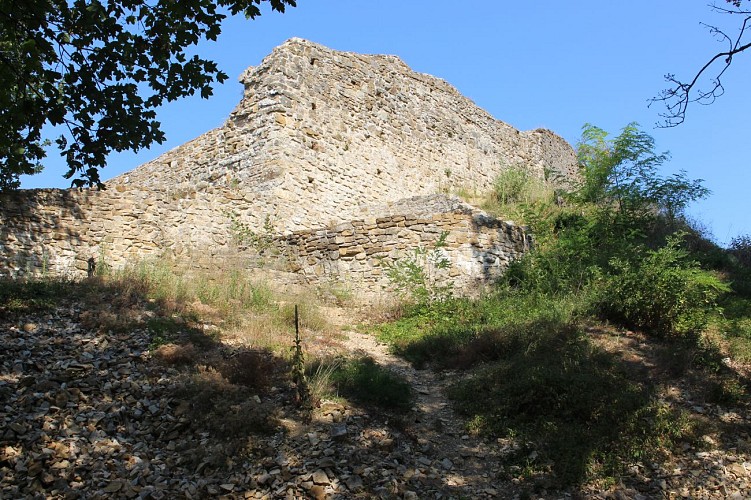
(215, 405)
(574, 410)
(26, 296)
(461, 333)
(175, 355)
(250, 368)
(368, 383)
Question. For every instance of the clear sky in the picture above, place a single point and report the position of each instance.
(548, 64)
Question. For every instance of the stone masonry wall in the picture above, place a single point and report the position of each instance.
(356, 253)
(321, 133)
(319, 139)
(59, 232)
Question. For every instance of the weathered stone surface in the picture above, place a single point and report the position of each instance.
(319, 137)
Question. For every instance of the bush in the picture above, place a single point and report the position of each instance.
(421, 276)
(740, 248)
(461, 333)
(661, 292)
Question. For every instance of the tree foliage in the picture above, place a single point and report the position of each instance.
(706, 84)
(625, 171)
(618, 241)
(96, 70)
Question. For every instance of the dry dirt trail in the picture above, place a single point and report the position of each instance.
(438, 432)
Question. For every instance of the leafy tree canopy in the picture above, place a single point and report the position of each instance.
(97, 70)
(624, 170)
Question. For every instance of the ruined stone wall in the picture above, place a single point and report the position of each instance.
(57, 231)
(320, 133)
(357, 253)
(319, 139)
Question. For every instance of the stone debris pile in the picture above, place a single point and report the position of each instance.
(89, 414)
(86, 413)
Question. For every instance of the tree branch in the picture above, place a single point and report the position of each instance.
(682, 93)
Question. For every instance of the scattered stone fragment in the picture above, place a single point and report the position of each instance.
(338, 430)
(320, 477)
(88, 414)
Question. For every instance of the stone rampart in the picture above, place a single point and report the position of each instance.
(319, 138)
(357, 253)
(320, 133)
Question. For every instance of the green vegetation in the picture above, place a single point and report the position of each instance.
(101, 69)
(18, 297)
(616, 251)
(262, 242)
(365, 381)
(417, 277)
(517, 188)
(239, 304)
(576, 412)
(548, 357)
(360, 379)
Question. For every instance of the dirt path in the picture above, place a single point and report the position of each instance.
(432, 413)
(438, 431)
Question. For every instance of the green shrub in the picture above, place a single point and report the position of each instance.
(662, 292)
(740, 248)
(419, 277)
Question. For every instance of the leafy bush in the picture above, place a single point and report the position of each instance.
(418, 276)
(740, 247)
(660, 291)
(262, 242)
(623, 172)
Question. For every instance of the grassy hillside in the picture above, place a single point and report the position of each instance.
(574, 354)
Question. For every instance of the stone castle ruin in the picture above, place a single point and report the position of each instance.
(340, 157)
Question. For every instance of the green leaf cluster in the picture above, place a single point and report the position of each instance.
(417, 276)
(96, 71)
(624, 172)
(664, 292)
(617, 240)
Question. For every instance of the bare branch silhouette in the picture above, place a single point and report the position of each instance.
(706, 85)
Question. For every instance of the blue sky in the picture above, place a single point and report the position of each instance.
(547, 64)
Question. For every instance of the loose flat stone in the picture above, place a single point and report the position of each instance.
(320, 477)
(338, 430)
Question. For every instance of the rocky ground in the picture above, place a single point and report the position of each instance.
(87, 412)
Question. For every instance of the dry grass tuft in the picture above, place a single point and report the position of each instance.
(173, 354)
(221, 408)
(253, 369)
